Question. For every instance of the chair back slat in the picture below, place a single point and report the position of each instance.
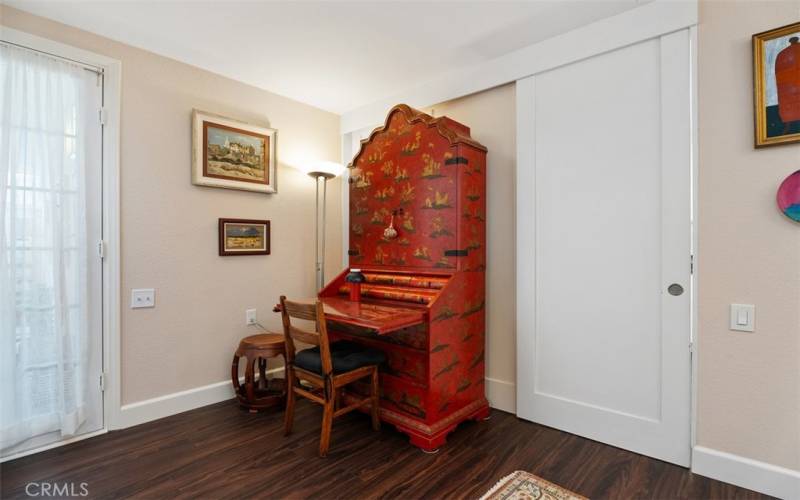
(310, 312)
(300, 310)
(304, 336)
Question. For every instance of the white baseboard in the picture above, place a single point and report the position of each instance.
(501, 395)
(747, 473)
(177, 402)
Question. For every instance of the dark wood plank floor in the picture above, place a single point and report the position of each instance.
(221, 451)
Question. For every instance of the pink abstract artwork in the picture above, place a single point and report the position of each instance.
(789, 196)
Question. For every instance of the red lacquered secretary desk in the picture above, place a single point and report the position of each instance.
(423, 299)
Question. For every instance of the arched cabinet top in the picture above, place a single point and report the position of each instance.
(454, 132)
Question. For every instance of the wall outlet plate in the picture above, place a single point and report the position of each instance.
(250, 317)
(143, 297)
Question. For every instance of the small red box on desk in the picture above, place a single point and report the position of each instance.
(418, 234)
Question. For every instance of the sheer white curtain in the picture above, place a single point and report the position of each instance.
(43, 245)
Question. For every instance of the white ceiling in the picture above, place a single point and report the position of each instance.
(334, 55)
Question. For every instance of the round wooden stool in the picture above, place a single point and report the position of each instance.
(259, 394)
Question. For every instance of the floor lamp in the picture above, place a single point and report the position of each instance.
(321, 171)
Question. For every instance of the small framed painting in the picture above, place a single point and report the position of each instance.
(243, 237)
(230, 154)
(776, 78)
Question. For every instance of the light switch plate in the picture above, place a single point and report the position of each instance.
(143, 297)
(743, 317)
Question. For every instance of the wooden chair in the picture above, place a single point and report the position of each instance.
(328, 368)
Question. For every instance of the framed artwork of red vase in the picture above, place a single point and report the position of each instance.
(776, 78)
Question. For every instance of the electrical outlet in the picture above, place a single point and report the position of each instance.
(250, 317)
(143, 297)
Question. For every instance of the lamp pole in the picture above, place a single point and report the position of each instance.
(320, 251)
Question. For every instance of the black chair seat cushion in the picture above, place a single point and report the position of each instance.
(346, 356)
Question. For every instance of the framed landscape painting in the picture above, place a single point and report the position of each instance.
(230, 154)
(244, 237)
(776, 78)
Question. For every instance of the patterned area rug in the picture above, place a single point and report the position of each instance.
(521, 485)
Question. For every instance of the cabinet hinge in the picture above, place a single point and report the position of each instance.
(691, 264)
(103, 115)
(102, 382)
(101, 249)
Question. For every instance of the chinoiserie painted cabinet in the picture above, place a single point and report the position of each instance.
(426, 178)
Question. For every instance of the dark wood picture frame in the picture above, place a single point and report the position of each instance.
(222, 229)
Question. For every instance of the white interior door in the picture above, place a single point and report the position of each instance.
(604, 230)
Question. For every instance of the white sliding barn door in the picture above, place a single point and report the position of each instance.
(603, 231)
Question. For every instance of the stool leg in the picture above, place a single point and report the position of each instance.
(235, 373)
(262, 373)
(249, 378)
(289, 416)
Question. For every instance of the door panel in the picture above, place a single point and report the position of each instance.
(603, 348)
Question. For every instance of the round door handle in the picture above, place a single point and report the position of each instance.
(675, 289)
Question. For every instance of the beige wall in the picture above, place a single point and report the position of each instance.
(748, 384)
(169, 226)
(491, 115)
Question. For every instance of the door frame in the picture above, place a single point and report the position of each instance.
(525, 225)
(110, 245)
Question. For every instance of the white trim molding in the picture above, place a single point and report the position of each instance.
(747, 473)
(651, 20)
(167, 405)
(501, 394)
(172, 404)
(525, 230)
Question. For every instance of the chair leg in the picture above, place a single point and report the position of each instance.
(327, 423)
(290, 397)
(375, 395)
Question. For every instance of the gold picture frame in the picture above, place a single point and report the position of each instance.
(773, 84)
(231, 154)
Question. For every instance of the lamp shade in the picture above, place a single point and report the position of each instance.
(327, 169)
